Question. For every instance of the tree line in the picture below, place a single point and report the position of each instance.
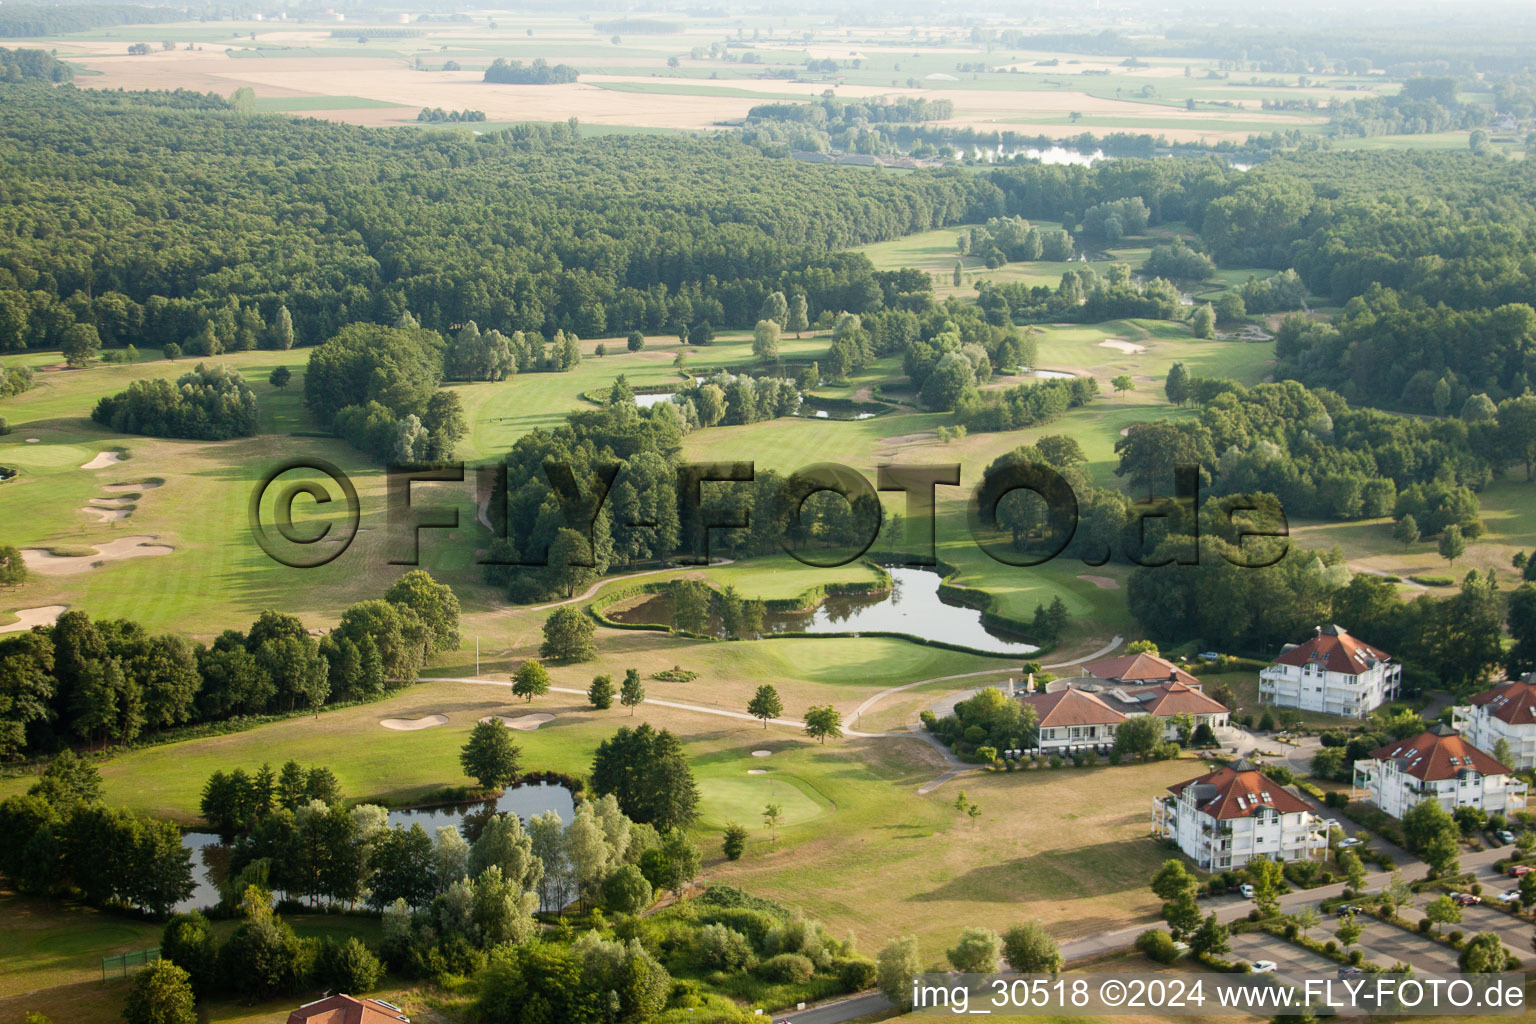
(110, 681)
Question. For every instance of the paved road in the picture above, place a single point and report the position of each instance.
(835, 1013)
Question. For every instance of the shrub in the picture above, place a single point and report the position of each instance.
(1454, 938)
(1425, 925)
(717, 947)
(856, 973)
(348, 966)
(787, 969)
(1156, 944)
(1356, 956)
(1330, 947)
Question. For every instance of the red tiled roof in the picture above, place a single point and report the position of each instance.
(1336, 651)
(1438, 754)
(1178, 699)
(1239, 789)
(1140, 668)
(340, 1009)
(1513, 702)
(1072, 707)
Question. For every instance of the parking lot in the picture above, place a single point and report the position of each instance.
(1385, 943)
(1289, 958)
(1381, 943)
(1483, 918)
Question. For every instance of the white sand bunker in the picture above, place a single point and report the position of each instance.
(104, 460)
(412, 724)
(757, 771)
(762, 753)
(1130, 348)
(527, 723)
(33, 440)
(124, 502)
(26, 618)
(1102, 582)
(50, 564)
(107, 515)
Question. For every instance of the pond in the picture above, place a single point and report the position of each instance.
(210, 857)
(822, 414)
(655, 398)
(1047, 374)
(912, 607)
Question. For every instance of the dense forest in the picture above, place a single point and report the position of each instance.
(152, 241)
(151, 221)
(20, 20)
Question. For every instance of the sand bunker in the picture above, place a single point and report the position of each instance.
(762, 753)
(26, 618)
(527, 723)
(1130, 348)
(108, 515)
(142, 485)
(123, 502)
(757, 771)
(104, 460)
(50, 564)
(1102, 582)
(412, 724)
(33, 440)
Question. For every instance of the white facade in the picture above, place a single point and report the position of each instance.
(1436, 765)
(1221, 844)
(1064, 739)
(1313, 687)
(1484, 729)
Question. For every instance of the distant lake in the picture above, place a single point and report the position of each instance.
(210, 857)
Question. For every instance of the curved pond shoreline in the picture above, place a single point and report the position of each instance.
(917, 605)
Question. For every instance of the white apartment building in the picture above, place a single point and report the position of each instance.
(1333, 674)
(1225, 818)
(1507, 712)
(1436, 765)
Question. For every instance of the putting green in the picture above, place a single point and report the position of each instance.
(741, 799)
(44, 455)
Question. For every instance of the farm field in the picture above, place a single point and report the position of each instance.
(381, 74)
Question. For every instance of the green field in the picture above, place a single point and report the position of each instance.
(51, 952)
(295, 104)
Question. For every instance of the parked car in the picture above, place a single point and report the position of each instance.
(1347, 842)
(1466, 899)
(1332, 823)
(1263, 967)
(1519, 870)
(1348, 972)
(1347, 909)
(1209, 656)
(1512, 896)
(1246, 891)
(1505, 836)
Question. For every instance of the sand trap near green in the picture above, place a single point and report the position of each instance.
(741, 799)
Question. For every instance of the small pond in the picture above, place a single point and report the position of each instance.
(913, 607)
(655, 398)
(210, 857)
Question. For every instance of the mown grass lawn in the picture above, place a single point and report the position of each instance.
(51, 953)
